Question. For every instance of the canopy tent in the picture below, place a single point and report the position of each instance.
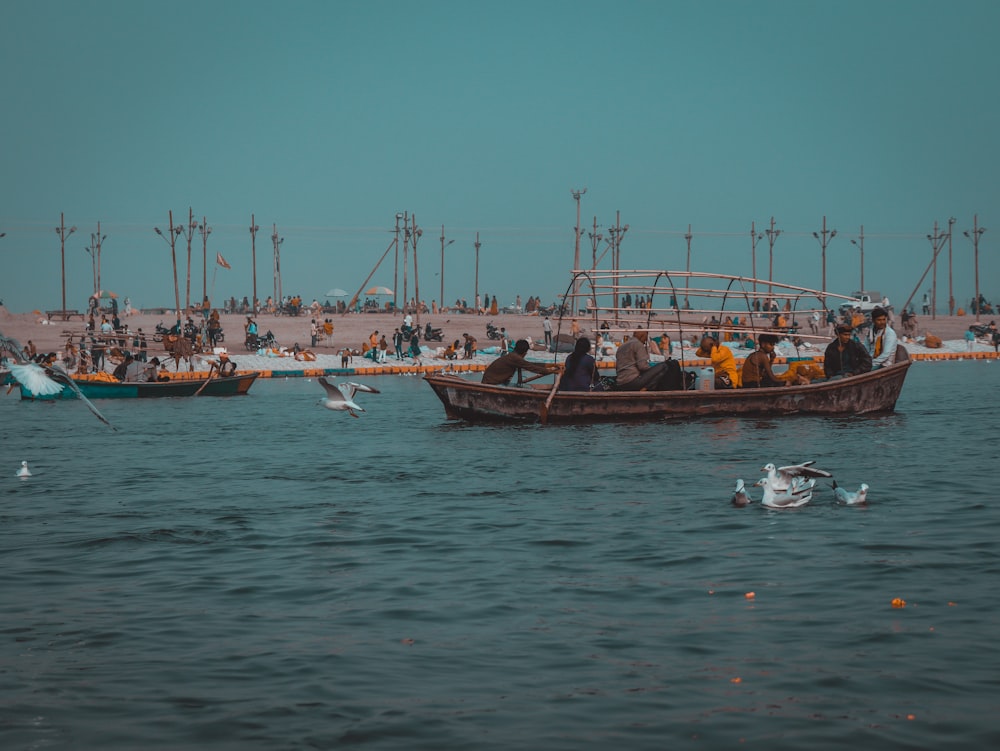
(337, 292)
(376, 291)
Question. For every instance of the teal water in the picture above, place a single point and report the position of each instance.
(261, 573)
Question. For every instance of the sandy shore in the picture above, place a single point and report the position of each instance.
(351, 330)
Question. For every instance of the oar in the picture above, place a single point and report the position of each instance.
(207, 380)
(544, 415)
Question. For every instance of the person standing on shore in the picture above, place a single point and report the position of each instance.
(547, 329)
(397, 343)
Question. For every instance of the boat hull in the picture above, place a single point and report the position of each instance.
(230, 386)
(869, 393)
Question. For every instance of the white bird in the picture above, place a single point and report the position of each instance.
(781, 478)
(23, 471)
(859, 498)
(340, 396)
(785, 498)
(741, 497)
(50, 381)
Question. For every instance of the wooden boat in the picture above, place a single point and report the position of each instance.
(873, 392)
(101, 389)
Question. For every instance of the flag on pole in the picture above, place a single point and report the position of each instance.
(222, 261)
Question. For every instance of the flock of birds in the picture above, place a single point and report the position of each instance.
(792, 487)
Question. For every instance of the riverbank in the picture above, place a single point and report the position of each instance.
(353, 329)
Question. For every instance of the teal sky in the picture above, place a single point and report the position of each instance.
(328, 118)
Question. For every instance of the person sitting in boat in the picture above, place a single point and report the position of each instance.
(580, 373)
(845, 356)
(224, 367)
(726, 374)
(634, 373)
(501, 370)
(881, 340)
(121, 371)
(150, 373)
(757, 371)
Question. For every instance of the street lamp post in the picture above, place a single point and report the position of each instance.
(253, 260)
(824, 237)
(772, 235)
(688, 237)
(171, 240)
(443, 246)
(577, 233)
(977, 232)
(63, 234)
(951, 291)
(395, 274)
(277, 263)
(92, 252)
(417, 234)
(188, 232)
(476, 290)
(860, 242)
(205, 232)
(754, 237)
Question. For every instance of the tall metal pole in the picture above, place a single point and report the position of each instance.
(172, 239)
(772, 235)
(406, 253)
(276, 241)
(824, 237)
(395, 274)
(688, 237)
(443, 246)
(100, 240)
(417, 234)
(595, 240)
(192, 225)
(860, 242)
(478, 245)
(937, 242)
(576, 238)
(253, 259)
(205, 232)
(951, 291)
(754, 237)
(977, 231)
(63, 234)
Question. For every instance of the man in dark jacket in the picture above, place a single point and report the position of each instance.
(846, 356)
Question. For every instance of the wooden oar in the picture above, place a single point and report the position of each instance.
(207, 381)
(544, 415)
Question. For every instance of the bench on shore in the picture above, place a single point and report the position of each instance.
(64, 314)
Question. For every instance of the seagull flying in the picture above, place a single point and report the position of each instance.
(741, 497)
(781, 478)
(860, 498)
(340, 396)
(23, 471)
(50, 381)
(790, 498)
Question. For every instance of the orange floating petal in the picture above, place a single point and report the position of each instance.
(750, 595)
(898, 602)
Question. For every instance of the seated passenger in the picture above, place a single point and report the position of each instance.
(757, 371)
(634, 373)
(580, 373)
(846, 356)
(726, 374)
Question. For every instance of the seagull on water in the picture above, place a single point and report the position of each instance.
(340, 396)
(783, 478)
(23, 471)
(791, 498)
(859, 498)
(741, 497)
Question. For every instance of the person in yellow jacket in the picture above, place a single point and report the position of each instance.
(727, 375)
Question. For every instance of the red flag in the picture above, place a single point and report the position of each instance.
(222, 261)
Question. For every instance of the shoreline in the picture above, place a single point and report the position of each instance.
(351, 329)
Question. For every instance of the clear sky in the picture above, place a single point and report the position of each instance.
(328, 118)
